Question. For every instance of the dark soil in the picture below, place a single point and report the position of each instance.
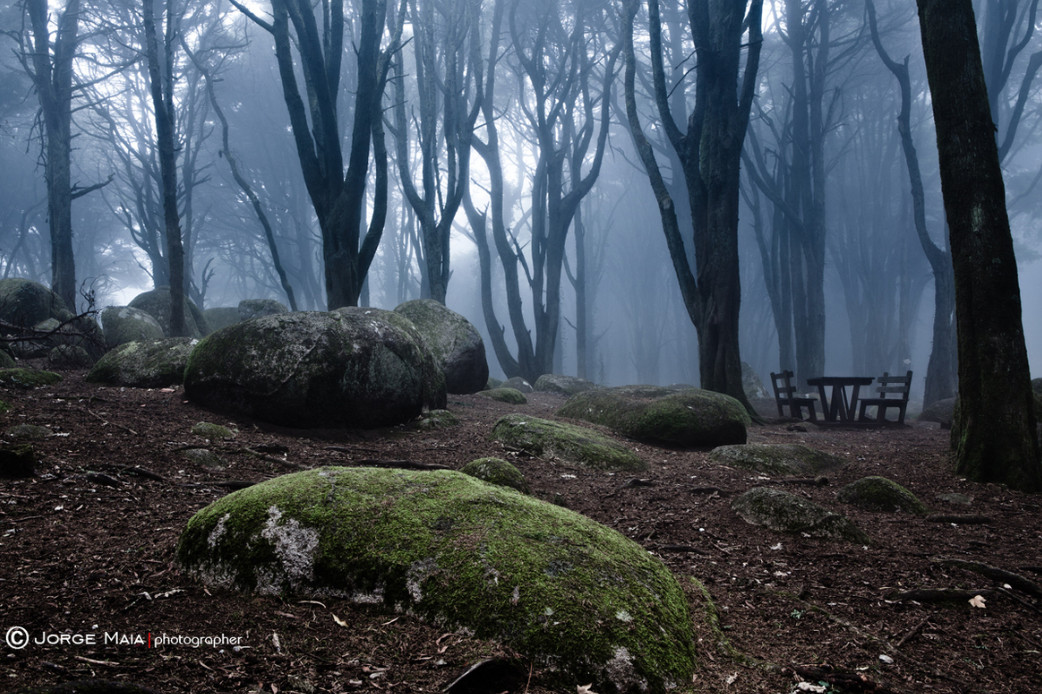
(87, 546)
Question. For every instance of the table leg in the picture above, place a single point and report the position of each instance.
(827, 409)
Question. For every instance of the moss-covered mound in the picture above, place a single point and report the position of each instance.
(511, 396)
(28, 378)
(152, 364)
(156, 303)
(123, 324)
(690, 417)
(775, 458)
(437, 419)
(213, 432)
(562, 385)
(6, 360)
(784, 512)
(351, 367)
(28, 432)
(255, 308)
(569, 593)
(543, 438)
(456, 344)
(496, 471)
(24, 303)
(881, 494)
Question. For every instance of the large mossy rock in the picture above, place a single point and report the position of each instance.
(573, 596)
(688, 417)
(151, 364)
(507, 395)
(24, 303)
(156, 303)
(352, 367)
(562, 385)
(544, 438)
(776, 458)
(123, 324)
(27, 379)
(787, 513)
(876, 493)
(496, 471)
(456, 344)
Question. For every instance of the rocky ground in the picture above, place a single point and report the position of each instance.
(86, 554)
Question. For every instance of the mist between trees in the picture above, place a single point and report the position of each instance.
(519, 160)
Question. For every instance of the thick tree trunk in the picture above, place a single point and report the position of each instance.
(994, 435)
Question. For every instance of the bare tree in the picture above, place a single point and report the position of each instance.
(311, 39)
(709, 151)
(994, 435)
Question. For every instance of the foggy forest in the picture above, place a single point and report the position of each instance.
(484, 156)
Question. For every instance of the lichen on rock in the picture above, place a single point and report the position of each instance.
(784, 512)
(547, 582)
(776, 458)
(875, 493)
(544, 438)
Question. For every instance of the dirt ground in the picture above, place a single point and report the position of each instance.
(87, 546)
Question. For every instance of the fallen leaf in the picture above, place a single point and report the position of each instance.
(339, 622)
(585, 689)
(977, 601)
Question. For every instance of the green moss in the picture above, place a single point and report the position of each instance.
(775, 459)
(6, 360)
(687, 417)
(28, 378)
(544, 438)
(511, 396)
(571, 594)
(147, 364)
(496, 471)
(27, 432)
(881, 494)
(213, 432)
(437, 419)
(4, 407)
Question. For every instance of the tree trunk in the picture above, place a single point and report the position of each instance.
(161, 85)
(994, 435)
(52, 79)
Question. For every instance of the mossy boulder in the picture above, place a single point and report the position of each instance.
(221, 317)
(4, 407)
(123, 324)
(213, 432)
(152, 364)
(562, 385)
(752, 385)
(24, 303)
(255, 308)
(518, 383)
(456, 344)
(437, 419)
(689, 417)
(28, 432)
(156, 303)
(69, 357)
(6, 360)
(510, 396)
(28, 378)
(571, 595)
(876, 493)
(776, 458)
(352, 367)
(496, 471)
(787, 513)
(544, 438)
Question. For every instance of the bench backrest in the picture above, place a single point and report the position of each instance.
(897, 387)
(782, 383)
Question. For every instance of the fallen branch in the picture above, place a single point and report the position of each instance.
(942, 594)
(958, 520)
(105, 422)
(1021, 583)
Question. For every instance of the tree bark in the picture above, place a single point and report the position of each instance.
(994, 437)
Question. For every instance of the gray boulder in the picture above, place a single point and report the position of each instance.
(776, 458)
(255, 308)
(157, 304)
(456, 344)
(69, 357)
(24, 303)
(940, 412)
(123, 324)
(565, 592)
(496, 471)
(147, 364)
(784, 512)
(688, 417)
(220, 317)
(353, 367)
(544, 438)
(30, 307)
(507, 395)
(518, 384)
(562, 385)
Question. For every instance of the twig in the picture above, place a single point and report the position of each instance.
(106, 422)
(942, 594)
(958, 520)
(912, 632)
(1025, 585)
(92, 661)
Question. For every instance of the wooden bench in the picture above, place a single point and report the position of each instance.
(785, 395)
(893, 393)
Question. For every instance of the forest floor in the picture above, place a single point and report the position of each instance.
(87, 547)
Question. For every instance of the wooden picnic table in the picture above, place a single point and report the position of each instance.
(838, 406)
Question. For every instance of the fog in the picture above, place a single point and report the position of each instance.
(823, 156)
